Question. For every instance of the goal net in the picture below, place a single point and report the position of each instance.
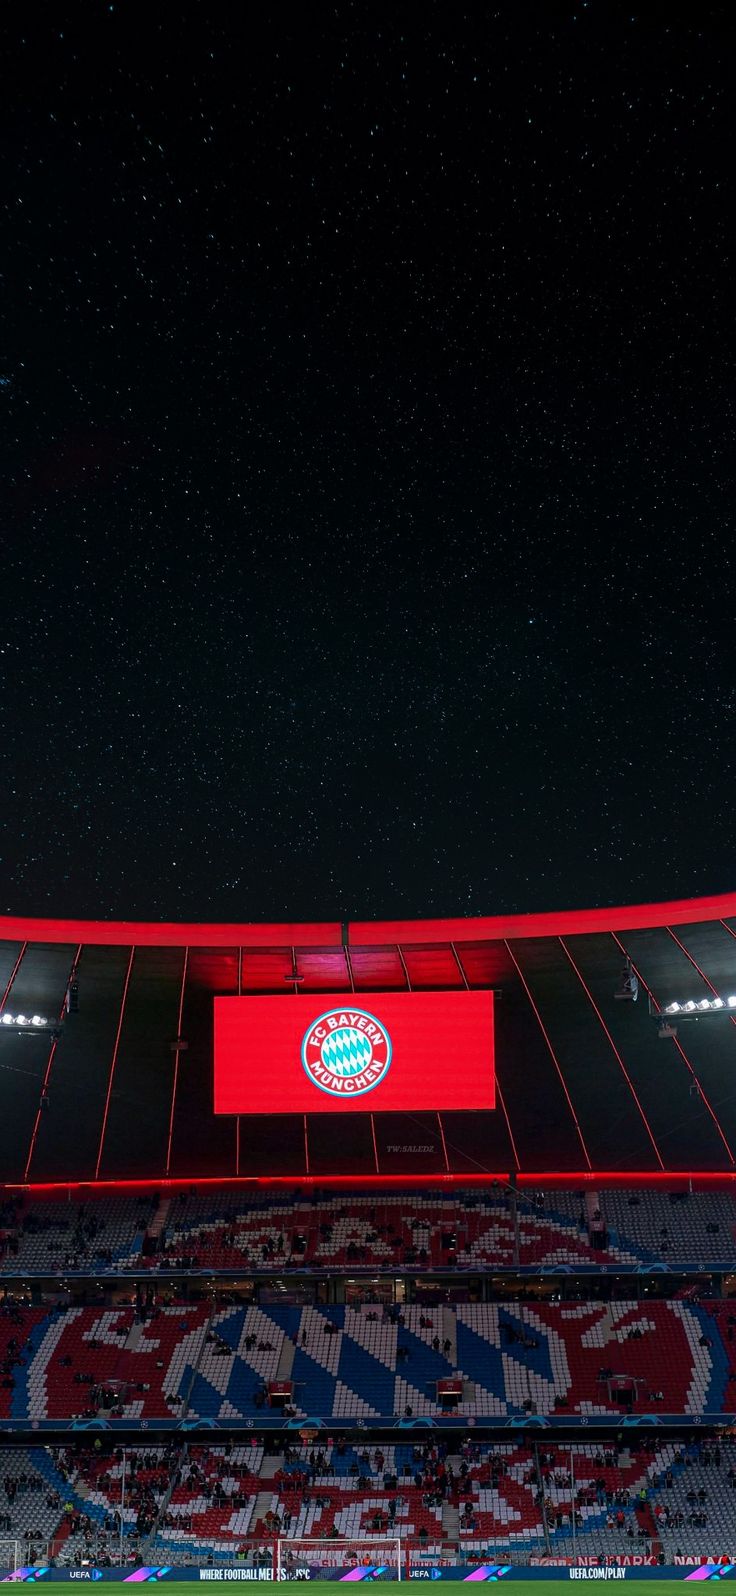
(10, 1555)
(308, 1558)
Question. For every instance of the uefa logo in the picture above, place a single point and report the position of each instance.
(346, 1052)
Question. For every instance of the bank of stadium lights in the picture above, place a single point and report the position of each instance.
(668, 1018)
(692, 1008)
(25, 1022)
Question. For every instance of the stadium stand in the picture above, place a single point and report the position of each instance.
(77, 1362)
(465, 1231)
(510, 1359)
(260, 1334)
(693, 1490)
(696, 1227)
(30, 1504)
(469, 1230)
(49, 1236)
(193, 1503)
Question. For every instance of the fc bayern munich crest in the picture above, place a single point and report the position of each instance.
(346, 1052)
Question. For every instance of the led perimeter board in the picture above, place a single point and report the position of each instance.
(374, 1052)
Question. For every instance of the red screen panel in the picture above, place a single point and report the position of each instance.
(377, 1051)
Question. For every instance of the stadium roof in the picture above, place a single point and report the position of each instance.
(587, 1089)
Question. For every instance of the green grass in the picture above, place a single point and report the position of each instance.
(519, 1587)
(547, 1587)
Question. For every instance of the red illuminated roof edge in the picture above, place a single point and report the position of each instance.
(370, 933)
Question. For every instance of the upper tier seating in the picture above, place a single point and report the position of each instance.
(699, 1227)
(52, 1236)
(468, 1229)
(463, 1229)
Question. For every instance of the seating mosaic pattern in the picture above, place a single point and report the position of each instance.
(582, 1359)
(467, 1230)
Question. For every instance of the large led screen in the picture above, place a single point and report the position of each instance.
(397, 1051)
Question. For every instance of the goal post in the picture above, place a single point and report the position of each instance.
(10, 1555)
(299, 1557)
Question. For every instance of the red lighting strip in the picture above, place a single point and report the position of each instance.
(113, 1062)
(47, 1075)
(616, 1053)
(13, 974)
(678, 1045)
(378, 1176)
(539, 1180)
(444, 1144)
(552, 1055)
(176, 1059)
(402, 962)
(237, 1122)
(502, 1101)
(466, 984)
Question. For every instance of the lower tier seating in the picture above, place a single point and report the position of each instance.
(195, 1503)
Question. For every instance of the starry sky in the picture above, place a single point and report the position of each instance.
(367, 394)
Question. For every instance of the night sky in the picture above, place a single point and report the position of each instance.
(368, 413)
